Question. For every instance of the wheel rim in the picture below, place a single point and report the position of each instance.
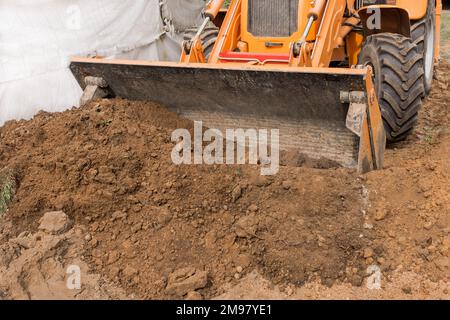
(429, 53)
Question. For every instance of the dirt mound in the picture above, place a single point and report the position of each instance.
(158, 230)
(32, 266)
(108, 167)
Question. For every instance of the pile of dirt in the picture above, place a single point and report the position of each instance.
(33, 265)
(157, 230)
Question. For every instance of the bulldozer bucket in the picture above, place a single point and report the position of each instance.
(323, 113)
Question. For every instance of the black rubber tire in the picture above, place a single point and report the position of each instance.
(423, 36)
(208, 37)
(398, 78)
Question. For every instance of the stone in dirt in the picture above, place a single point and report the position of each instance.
(446, 242)
(247, 226)
(407, 290)
(130, 272)
(163, 216)
(194, 296)
(236, 193)
(368, 252)
(54, 222)
(287, 184)
(443, 263)
(185, 280)
(24, 242)
(105, 175)
(380, 214)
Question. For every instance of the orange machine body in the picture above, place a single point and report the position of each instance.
(237, 44)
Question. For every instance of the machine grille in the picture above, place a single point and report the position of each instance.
(272, 18)
(359, 4)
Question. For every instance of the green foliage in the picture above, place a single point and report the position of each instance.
(105, 123)
(226, 3)
(7, 189)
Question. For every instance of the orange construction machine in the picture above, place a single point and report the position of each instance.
(336, 77)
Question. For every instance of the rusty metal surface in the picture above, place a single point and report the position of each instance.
(304, 106)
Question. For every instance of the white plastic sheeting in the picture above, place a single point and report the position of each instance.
(38, 37)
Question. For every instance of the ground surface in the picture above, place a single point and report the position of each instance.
(445, 25)
(140, 227)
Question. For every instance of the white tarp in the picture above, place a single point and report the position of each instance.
(38, 37)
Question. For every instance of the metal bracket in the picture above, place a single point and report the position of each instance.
(96, 88)
(356, 111)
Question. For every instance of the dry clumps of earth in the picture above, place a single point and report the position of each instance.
(95, 187)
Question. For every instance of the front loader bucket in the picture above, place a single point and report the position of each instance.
(322, 113)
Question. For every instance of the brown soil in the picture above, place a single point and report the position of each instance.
(145, 228)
